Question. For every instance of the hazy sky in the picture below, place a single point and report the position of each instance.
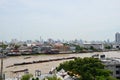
(59, 19)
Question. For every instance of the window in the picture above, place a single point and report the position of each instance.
(118, 77)
(118, 66)
(117, 72)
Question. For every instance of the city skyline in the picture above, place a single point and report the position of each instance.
(64, 19)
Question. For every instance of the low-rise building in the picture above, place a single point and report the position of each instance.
(94, 45)
(116, 46)
(114, 66)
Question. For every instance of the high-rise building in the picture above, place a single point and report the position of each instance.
(117, 38)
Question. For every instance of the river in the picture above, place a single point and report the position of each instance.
(44, 67)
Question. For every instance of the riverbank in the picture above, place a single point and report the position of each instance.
(40, 61)
(44, 67)
(66, 52)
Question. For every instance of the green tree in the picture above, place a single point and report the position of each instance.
(86, 68)
(17, 46)
(108, 47)
(78, 48)
(35, 78)
(52, 78)
(3, 46)
(105, 78)
(92, 48)
(111, 78)
(26, 77)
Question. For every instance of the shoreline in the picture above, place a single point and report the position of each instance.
(40, 61)
(36, 54)
(44, 66)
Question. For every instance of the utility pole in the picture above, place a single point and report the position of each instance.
(1, 67)
(1, 72)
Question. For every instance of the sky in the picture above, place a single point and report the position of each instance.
(59, 19)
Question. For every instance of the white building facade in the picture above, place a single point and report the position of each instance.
(117, 41)
(117, 38)
(114, 66)
(95, 45)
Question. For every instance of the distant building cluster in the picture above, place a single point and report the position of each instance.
(51, 46)
(16, 47)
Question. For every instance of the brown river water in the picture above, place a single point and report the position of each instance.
(44, 67)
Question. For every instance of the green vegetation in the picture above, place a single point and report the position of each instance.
(86, 69)
(108, 47)
(105, 78)
(78, 48)
(52, 78)
(16, 46)
(35, 78)
(83, 49)
(93, 49)
(3, 46)
(26, 77)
